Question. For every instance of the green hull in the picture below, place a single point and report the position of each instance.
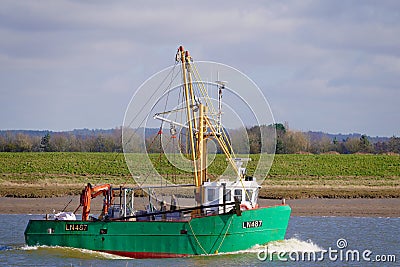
(152, 239)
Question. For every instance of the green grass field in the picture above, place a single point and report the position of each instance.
(291, 176)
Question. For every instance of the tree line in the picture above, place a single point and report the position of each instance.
(292, 142)
(247, 140)
(62, 142)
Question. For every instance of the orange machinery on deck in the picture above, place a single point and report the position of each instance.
(91, 192)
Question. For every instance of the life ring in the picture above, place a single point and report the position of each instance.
(245, 206)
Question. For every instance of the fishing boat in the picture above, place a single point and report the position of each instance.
(225, 216)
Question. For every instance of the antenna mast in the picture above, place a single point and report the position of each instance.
(221, 85)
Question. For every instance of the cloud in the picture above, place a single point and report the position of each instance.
(310, 58)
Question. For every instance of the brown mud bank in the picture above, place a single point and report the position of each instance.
(382, 207)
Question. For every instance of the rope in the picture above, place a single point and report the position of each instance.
(223, 239)
(198, 243)
(148, 100)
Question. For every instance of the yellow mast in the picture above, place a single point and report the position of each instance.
(189, 98)
(202, 144)
(190, 82)
(198, 140)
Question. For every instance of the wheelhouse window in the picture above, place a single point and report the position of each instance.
(238, 194)
(228, 196)
(210, 194)
(249, 194)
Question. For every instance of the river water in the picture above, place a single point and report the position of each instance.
(310, 241)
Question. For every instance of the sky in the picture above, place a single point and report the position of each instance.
(331, 66)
